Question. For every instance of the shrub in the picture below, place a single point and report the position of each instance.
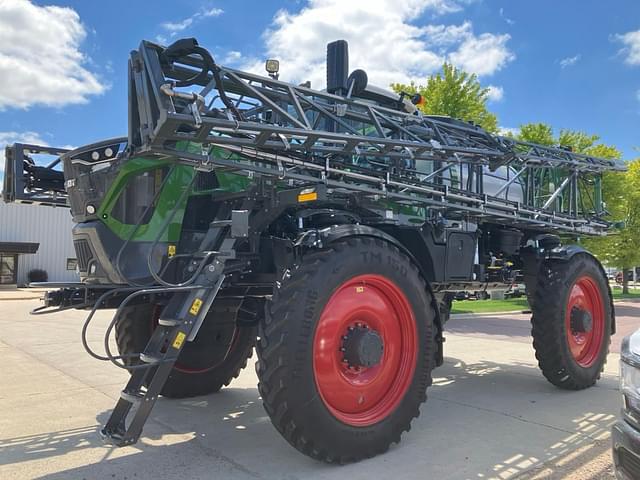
(37, 275)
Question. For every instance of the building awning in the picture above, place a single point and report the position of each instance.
(18, 247)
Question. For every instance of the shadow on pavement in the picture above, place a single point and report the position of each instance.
(492, 420)
(515, 327)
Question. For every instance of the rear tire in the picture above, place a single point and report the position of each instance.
(202, 367)
(571, 322)
(328, 402)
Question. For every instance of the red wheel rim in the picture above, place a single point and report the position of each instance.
(585, 345)
(365, 395)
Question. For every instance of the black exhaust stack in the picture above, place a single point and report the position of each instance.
(337, 67)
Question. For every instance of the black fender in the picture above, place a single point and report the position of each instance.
(567, 252)
(337, 232)
(326, 236)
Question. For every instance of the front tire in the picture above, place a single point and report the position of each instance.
(571, 322)
(346, 350)
(216, 356)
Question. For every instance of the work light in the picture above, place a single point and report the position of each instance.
(272, 66)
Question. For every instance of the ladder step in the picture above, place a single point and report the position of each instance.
(169, 322)
(132, 397)
(147, 358)
(113, 438)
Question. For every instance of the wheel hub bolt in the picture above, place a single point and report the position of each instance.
(362, 347)
(581, 320)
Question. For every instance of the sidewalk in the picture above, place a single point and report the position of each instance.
(21, 293)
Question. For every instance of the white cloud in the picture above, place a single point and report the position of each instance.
(7, 138)
(447, 35)
(505, 18)
(509, 131)
(495, 93)
(212, 12)
(384, 40)
(173, 28)
(570, 61)
(484, 54)
(40, 58)
(231, 57)
(631, 50)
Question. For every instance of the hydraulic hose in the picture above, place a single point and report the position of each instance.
(189, 46)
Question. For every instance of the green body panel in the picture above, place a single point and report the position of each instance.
(179, 179)
(228, 182)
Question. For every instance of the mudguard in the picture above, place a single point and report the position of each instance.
(566, 252)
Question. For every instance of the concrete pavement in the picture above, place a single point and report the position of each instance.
(490, 414)
(13, 293)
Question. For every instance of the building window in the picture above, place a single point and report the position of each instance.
(8, 270)
(72, 263)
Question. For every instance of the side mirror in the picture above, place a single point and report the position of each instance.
(357, 82)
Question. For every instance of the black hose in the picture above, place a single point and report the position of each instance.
(189, 46)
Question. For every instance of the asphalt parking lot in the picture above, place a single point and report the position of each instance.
(490, 414)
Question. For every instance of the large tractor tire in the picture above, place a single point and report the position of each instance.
(571, 322)
(346, 350)
(216, 356)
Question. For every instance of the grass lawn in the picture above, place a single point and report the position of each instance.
(519, 304)
(633, 293)
(489, 306)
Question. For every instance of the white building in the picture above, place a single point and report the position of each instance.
(43, 229)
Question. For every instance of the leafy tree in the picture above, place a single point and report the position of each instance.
(539, 133)
(578, 141)
(455, 93)
(621, 249)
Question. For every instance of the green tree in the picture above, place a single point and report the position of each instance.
(578, 141)
(539, 133)
(455, 93)
(621, 191)
(543, 134)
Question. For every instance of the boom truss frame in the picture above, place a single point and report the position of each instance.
(288, 131)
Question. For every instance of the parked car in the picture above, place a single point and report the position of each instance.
(626, 432)
(619, 277)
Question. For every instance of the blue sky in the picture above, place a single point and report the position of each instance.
(572, 64)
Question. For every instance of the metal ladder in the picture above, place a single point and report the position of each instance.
(178, 324)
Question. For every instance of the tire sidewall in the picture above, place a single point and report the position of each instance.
(362, 257)
(580, 268)
(134, 329)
